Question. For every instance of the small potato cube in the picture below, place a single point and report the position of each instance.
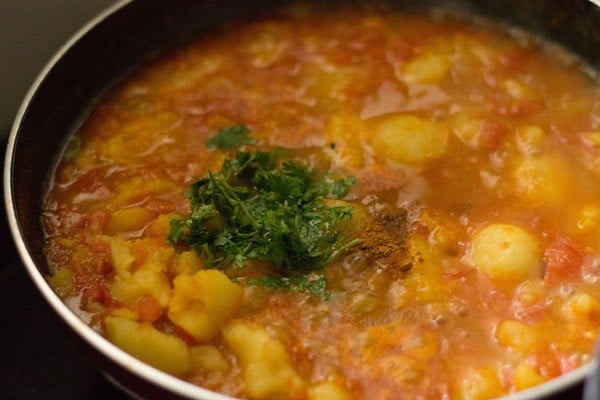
(120, 252)
(209, 358)
(344, 133)
(592, 137)
(62, 281)
(408, 139)
(480, 384)
(360, 217)
(328, 391)
(466, 129)
(202, 302)
(516, 89)
(426, 68)
(506, 253)
(137, 189)
(475, 132)
(519, 336)
(148, 279)
(266, 366)
(165, 352)
(132, 141)
(530, 139)
(128, 220)
(589, 218)
(543, 180)
(187, 263)
(424, 281)
(526, 376)
(160, 226)
(580, 306)
(531, 292)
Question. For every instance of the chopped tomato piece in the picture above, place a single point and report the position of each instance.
(563, 261)
(148, 308)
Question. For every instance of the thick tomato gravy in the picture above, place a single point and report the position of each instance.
(477, 159)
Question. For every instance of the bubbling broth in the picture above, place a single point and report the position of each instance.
(352, 205)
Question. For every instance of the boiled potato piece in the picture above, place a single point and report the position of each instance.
(519, 336)
(148, 279)
(476, 132)
(409, 139)
(426, 68)
(187, 263)
(208, 358)
(360, 217)
(202, 302)
(160, 226)
(328, 391)
(128, 220)
(479, 384)
(62, 281)
(526, 376)
(506, 253)
(266, 366)
(580, 306)
(120, 252)
(543, 180)
(530, 139)
(165, 352)
(517, 89)
(344, 133)
(425, 280)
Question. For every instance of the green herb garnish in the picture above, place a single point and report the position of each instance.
(263, 208)
(231, 137)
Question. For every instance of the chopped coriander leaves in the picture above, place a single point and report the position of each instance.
(259, 207)
(232, 137)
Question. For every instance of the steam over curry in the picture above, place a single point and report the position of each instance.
(353, 205)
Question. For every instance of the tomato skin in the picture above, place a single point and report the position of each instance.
(148, 308)
(97, 294)
(563, 261)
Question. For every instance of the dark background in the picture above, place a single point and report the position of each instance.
(38, 359)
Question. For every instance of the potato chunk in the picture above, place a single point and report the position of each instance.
(543, 180)
(343, 134)
(129, 220)
(187, 263)
(506, 253)
(519, 336)
(266, 366)
(580, 306)
(408, 139)
(479, 384)
(150, 278)
(328, 391)
(426, 68)
(526, 376)
(209, 358)
(165, 352)
(202, 302)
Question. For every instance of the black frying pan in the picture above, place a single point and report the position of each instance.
(132, 33)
